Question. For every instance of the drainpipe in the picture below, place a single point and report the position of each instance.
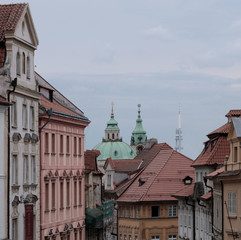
(193, 216)
(14, 85)
(205, 182)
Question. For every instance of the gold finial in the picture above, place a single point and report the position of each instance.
(112, 104)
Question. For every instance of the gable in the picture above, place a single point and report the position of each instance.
(25, 29)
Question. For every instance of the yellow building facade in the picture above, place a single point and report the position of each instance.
(231, 179)
(145, 221)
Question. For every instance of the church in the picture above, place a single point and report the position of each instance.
(112, 145)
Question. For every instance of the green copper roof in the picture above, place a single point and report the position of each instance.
(112, 124)
(115, 150)
(139, 134)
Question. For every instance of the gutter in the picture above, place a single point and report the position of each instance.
(14, 85)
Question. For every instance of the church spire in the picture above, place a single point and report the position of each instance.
(138, 138)
(112, 131)
(179, 133)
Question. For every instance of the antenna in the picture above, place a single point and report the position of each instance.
(179, 136)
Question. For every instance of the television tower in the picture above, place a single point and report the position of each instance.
(179, 137)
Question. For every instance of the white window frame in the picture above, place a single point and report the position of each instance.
(156, 237)
(172, 211)
(108, 180)
(172, 237)
(232, 203)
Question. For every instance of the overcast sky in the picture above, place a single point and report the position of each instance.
(157, 53)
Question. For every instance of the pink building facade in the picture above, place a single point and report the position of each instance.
(62, 186)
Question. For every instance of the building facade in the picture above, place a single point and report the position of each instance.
(4, 105)
(18, 41)
(231, 181)
(62, 166)
(147, 210)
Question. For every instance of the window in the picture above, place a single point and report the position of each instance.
(67, 144)
(113, 135)
(53, 143)
(31, 118)
(46, 142)
(120, 236)
(235, 157)
(80, 146)
(131, 211)
(125, 238)
(172, 211)
(33, 169)
(18, 63)
(15, 229)
(130, 237)
(155, 237)
(15, 170)
(172, 237)
(137, 212)
(61, 144)
(75, 235)
(25, 169)
(68, 194)
(23, 63)
(46, 196)
(61, 194)
(136, 237)
(53, 195)
(80, 189)
(155, 211)
(28, 67)
(109, 180)
(24, 117)
(75, 193)
(75, 146)
(14, 114)
(232, 203)
(80, 235)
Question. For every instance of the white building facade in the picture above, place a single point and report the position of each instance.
(20, 42)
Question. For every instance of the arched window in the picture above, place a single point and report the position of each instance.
(113, 135)
(18, 63)
(23, 63)
(28, 67)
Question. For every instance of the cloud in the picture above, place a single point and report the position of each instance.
(158, 32)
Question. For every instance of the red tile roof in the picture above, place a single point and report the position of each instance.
(234, 113)
(56, 106)
(222, 130)
(215, 153)
(9, 17)
(206, 196)
(216, 173)
(146, 155)
(185, 192)
(90, 159)
(3, 101)
(161, 178)
(124, 165)
(2, 54)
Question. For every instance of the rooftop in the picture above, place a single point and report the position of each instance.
(90, 159)
(161, 178)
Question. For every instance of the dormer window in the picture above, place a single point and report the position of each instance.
(18, 64)
(23, 63)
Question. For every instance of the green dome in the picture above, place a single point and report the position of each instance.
(115, 150)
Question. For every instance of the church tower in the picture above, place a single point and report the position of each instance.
(138, 138)
(112, 131)
(179, 136)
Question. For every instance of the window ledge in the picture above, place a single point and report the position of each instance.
(15, 127)
(46, 211)
(61, 154)
(68, 154)
(15, 187)
(32, 130)
(46, 153)
(53, 209)
(232, 216)
(75, 206)
(61, 208)
(25, 129)
(53, 153)
(68, 207)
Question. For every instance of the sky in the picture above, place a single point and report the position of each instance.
(157, 53)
